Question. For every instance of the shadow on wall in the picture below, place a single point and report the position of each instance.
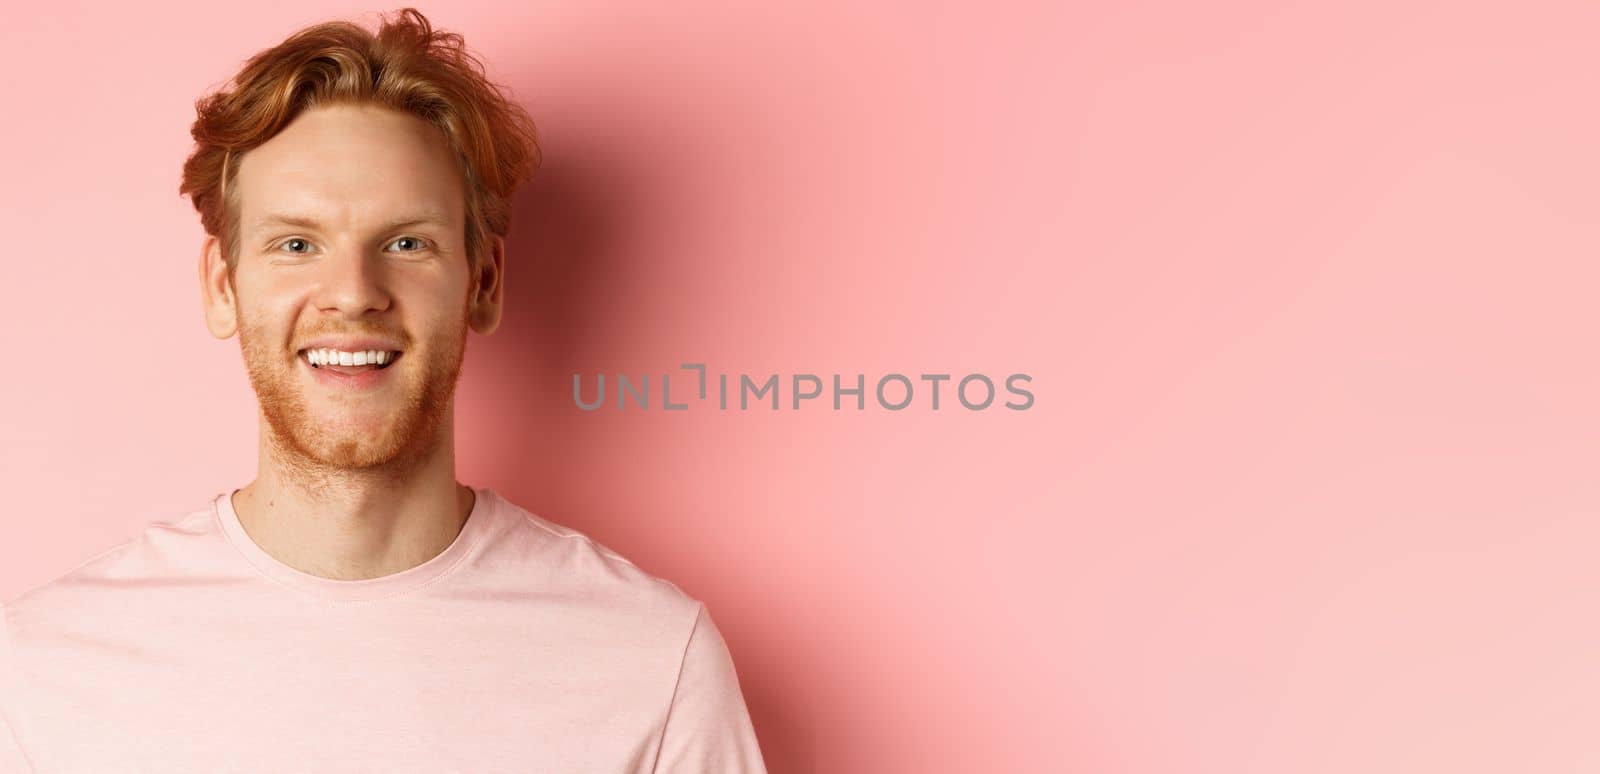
(516, 422)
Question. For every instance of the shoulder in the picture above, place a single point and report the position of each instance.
(569, 562)
(81, 591)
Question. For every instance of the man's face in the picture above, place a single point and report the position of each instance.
(352, 236)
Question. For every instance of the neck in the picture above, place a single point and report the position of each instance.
(354, 524)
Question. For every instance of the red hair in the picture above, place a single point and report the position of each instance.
(408, 66)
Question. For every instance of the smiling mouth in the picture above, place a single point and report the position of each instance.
(327, 360)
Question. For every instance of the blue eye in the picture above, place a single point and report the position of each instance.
(296, 240)
(417, 244)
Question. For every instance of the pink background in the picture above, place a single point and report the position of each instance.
(1307, 294)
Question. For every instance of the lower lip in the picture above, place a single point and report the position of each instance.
(361, 380)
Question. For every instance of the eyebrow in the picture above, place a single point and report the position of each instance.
(302, 221)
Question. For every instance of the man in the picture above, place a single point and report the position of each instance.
(354, 607)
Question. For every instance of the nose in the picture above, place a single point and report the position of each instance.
(351, 282)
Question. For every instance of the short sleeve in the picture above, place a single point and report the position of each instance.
(708, 729)
(11, 759)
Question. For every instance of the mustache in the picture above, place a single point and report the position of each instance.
(387, 334)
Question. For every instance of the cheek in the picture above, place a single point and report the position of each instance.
(442, 307)
(264, 331)
(259, 321)
(265, 299)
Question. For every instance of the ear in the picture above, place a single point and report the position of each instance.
(216, 291)
(488, 291)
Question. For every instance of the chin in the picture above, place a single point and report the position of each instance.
(354, 454)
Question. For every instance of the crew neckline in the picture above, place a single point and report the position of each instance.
(473, 532)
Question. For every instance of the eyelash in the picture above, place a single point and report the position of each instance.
(424, 244)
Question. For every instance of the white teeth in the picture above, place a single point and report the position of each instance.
(325, 356)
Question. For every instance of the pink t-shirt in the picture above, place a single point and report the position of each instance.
(525, 646)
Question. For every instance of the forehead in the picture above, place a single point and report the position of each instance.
(350, 166)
